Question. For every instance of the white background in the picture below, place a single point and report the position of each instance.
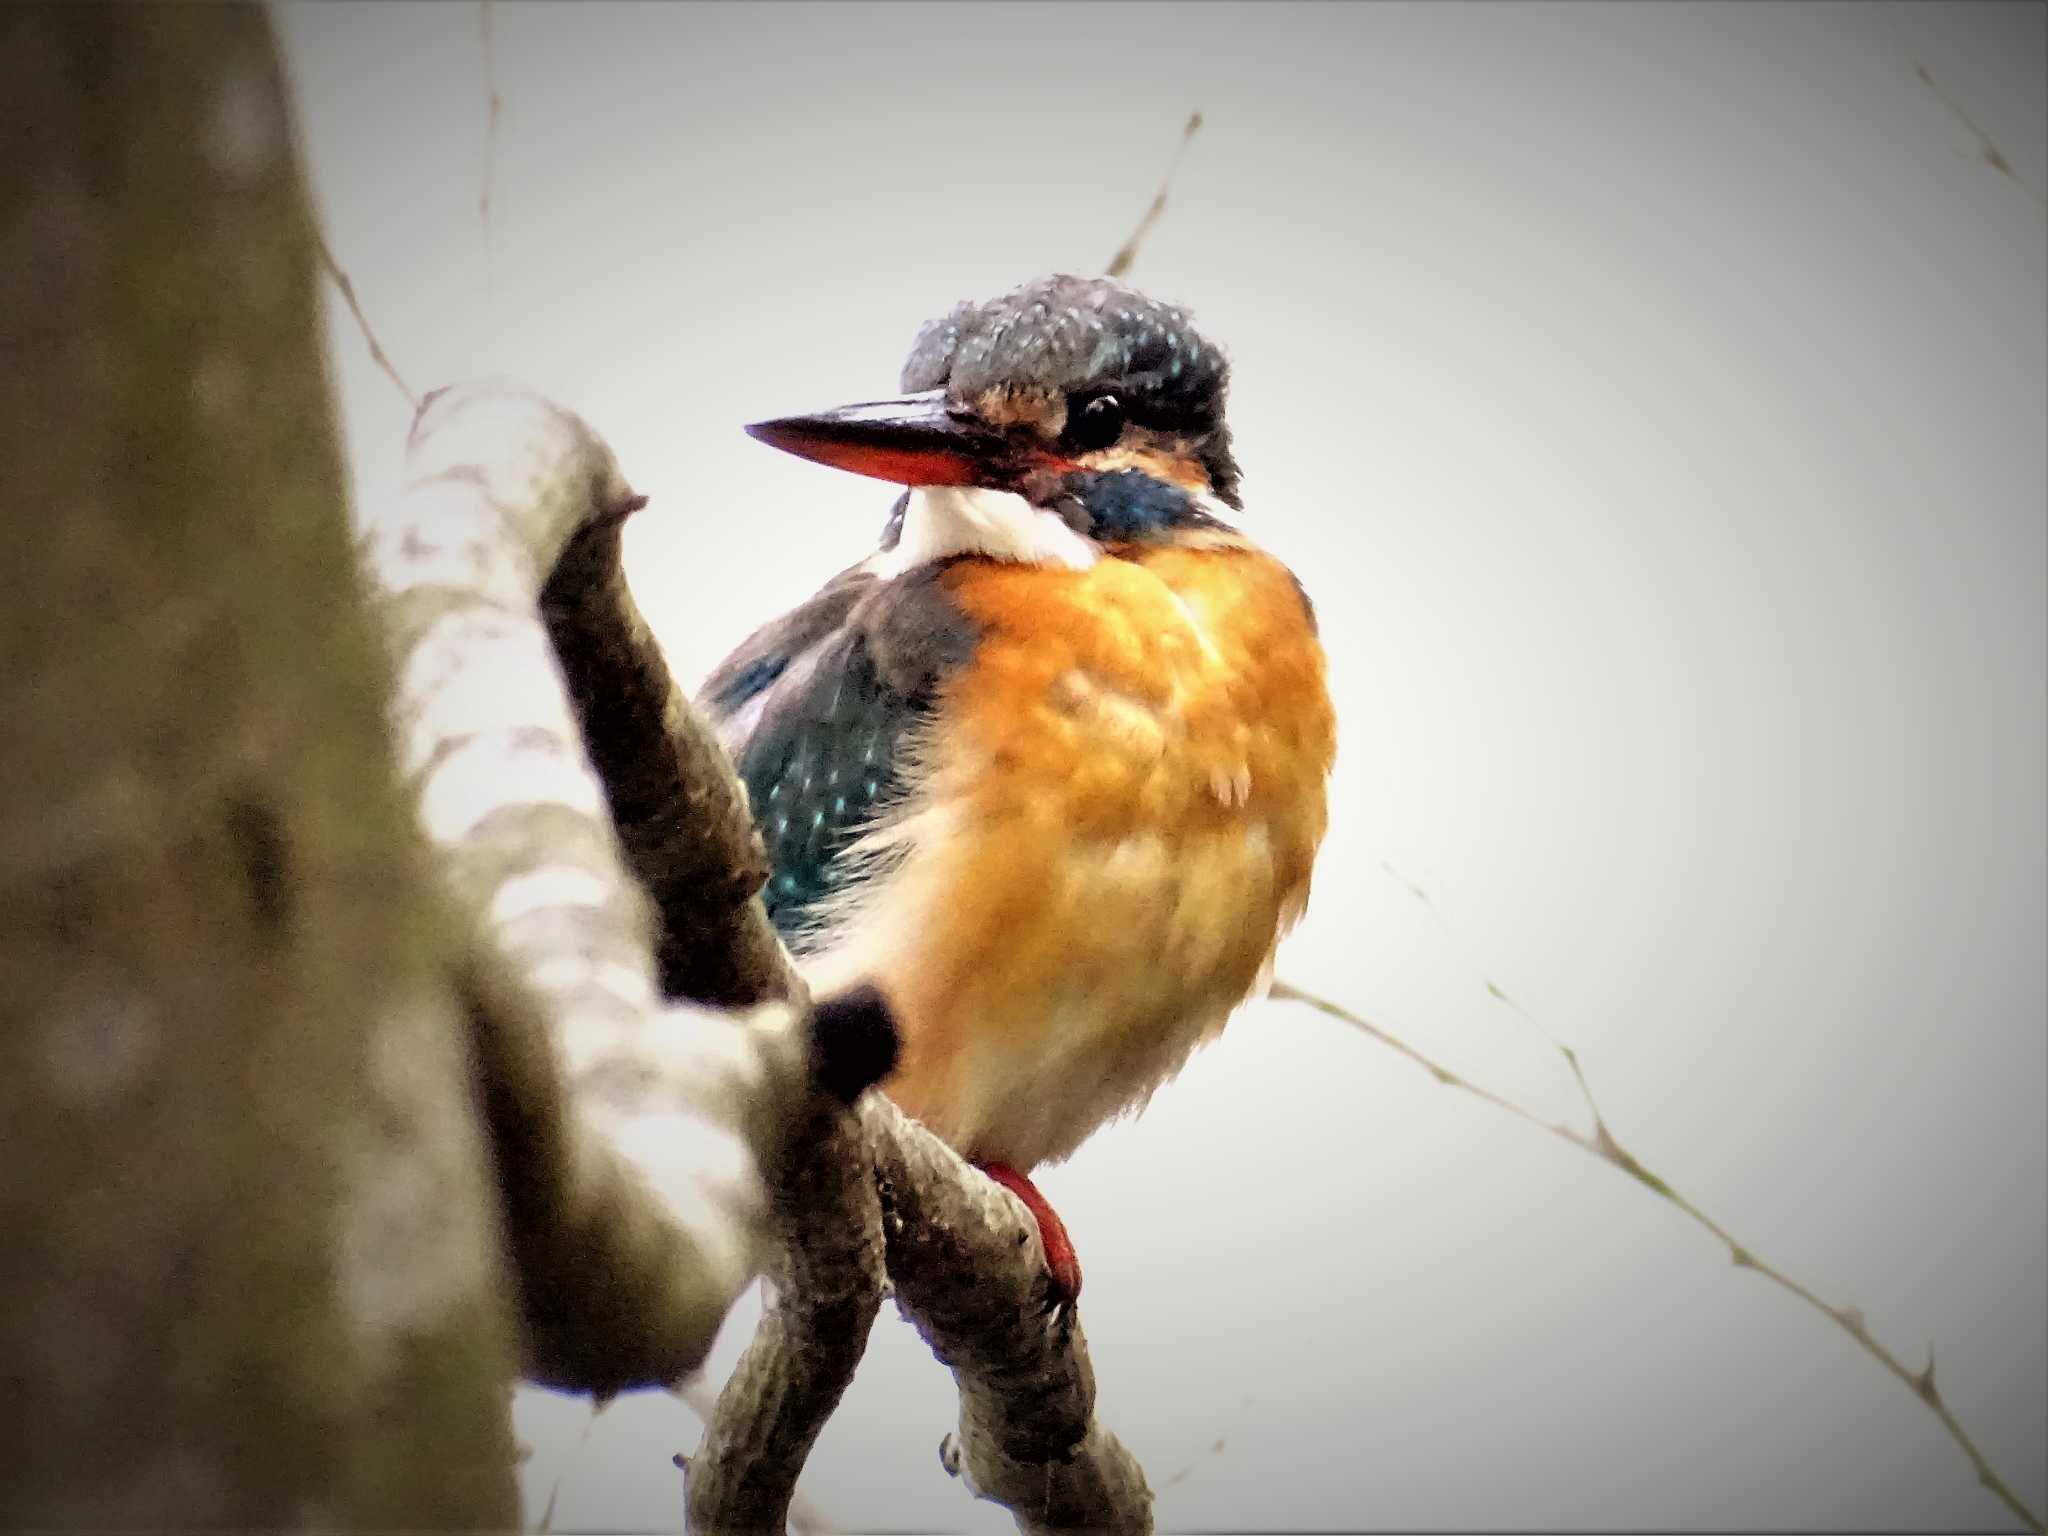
(1652, 399)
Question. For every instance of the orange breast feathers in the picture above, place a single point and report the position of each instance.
(1119, 805)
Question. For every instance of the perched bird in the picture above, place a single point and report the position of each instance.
(1047, 769)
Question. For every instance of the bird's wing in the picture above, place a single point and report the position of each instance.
(817, 710)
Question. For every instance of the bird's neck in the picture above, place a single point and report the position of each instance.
(942, 521)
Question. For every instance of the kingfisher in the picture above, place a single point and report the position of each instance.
(1047, 769)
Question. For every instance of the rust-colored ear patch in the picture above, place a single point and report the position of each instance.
(1162, 457)
(1022, 405)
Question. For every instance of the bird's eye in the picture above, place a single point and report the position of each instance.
(1094, 422)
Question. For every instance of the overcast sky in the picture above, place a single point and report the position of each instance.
(1652, 399)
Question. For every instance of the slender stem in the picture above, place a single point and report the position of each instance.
(1987, 151)
(348, 292)
(1601, 1143)
(493, 107)
(1127, 254)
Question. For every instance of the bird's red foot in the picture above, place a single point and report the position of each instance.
(1060, 1262)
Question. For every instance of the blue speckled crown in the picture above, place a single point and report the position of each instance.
(1068, 333)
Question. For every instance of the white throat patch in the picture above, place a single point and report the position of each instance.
(944, 520)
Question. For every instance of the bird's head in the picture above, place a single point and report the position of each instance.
(1064, 417)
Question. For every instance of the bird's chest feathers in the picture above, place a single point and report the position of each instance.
(1122, 798)
(1176, 693)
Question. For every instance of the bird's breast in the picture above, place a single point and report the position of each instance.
(1118, 805)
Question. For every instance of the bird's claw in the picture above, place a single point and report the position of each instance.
(1062, 1266)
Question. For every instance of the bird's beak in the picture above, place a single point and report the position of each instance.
(916, 440)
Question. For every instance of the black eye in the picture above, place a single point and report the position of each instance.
(1094, 422)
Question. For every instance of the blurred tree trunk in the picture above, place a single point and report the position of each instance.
(250, 1273)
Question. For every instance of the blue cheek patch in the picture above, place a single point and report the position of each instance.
(1128, 504)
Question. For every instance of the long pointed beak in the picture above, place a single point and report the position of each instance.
(915, 440)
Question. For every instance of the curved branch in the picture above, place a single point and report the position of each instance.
(629, 1134)
(680, 811)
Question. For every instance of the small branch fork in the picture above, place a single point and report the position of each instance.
(654, 1151)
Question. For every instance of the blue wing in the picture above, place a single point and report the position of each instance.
(815, 710)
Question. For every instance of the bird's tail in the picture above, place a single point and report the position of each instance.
(854, 1042)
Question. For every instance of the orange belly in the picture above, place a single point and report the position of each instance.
(1119, 806)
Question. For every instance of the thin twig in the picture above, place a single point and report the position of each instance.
(1600, 1143)
(492, 106)
(1987, 151)
(1127, 254)
(1213, 1450)
(348, 292)
(1457, 947)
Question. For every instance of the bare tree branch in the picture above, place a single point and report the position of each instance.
(636, 1216)
(611, 1290)
(680, 811)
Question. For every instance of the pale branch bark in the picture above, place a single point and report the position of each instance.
(629, 1133)
(250, 1276)
(610, 1290)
